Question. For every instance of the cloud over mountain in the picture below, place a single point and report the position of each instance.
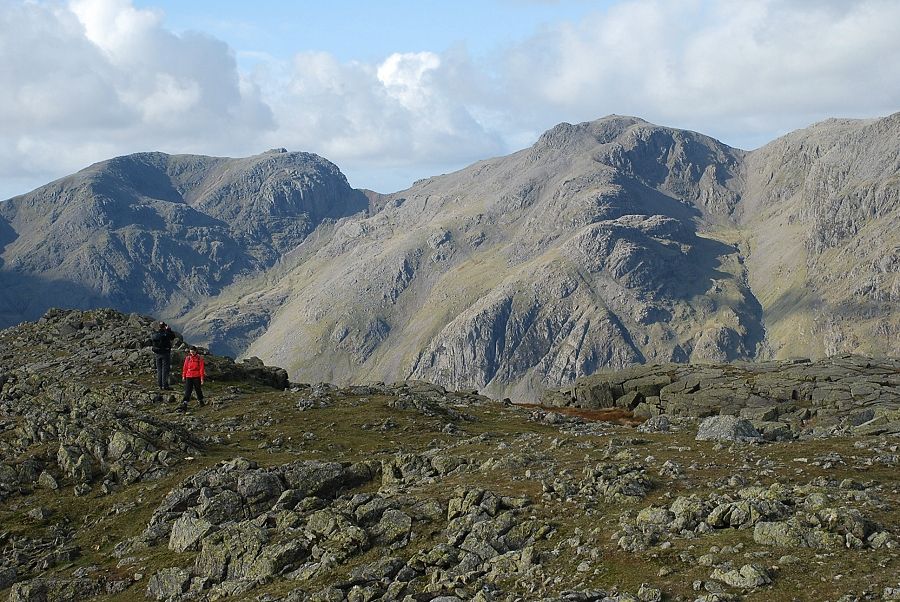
(99, 76)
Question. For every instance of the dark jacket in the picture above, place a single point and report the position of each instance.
(161, 341)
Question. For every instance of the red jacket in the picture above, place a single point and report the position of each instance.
(194, 367)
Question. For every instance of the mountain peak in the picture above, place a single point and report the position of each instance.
(608, 242)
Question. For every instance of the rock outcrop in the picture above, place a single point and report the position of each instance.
(772, 400)
(409, 491)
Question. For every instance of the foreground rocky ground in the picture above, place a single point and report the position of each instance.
(277, 491)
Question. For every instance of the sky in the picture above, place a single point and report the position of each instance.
(396, 91)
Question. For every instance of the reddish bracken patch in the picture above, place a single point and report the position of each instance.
(614, 415)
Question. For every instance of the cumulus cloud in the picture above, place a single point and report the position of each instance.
(90, 79)
(96, 78)
(742, 70)
(400, 111)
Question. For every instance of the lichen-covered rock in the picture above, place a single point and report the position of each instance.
(653, 515)
(393, 529)
(749, 576)
(777, 534)
(726, 428)
(230, 553)
(168, 583)
(46, 589)
(187, 531)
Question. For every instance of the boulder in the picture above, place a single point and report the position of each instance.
(168, 583)
(654, 515)
(393, 528)
(187, 531)
(727, 428)
(46, 589)
(323, 479)
(777, 534)
(230, 553)
(629, 400)
(656, 424)
(749, 576)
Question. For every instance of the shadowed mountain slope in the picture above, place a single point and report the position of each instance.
(822, 213)
(156, 232)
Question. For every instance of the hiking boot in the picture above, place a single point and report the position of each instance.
(181, 408)
(202, 402)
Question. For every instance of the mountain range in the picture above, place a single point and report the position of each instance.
(604, 244)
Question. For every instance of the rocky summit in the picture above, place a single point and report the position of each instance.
(154, 232)
(604, 244)
(707, 483)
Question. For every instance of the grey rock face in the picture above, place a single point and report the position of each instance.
(187, 532)
(168, 583)
(527, 271)
(154, 233)
(837, 286)
(597, 247)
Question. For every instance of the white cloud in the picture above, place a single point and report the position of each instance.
(116, 26)
(398, 112)
(94, 78)
(404, 77)
(739, 70)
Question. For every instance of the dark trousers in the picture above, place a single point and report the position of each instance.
(163, 362)
(192, 384)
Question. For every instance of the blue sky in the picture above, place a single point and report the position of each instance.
(369, 31)
(396, 91)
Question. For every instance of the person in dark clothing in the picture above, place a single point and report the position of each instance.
(193, 374)
(161, 341)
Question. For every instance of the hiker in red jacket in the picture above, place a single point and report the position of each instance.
(193, 374)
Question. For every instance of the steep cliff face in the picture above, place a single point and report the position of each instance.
(154, 232)
(822, 214)
(580, 252)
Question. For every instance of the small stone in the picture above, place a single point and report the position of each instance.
(47, 481)
(648, 593)
(788, 559)
(40, 513)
